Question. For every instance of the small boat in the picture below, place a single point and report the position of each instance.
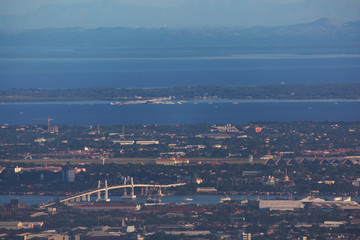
(225, 199)
(153, 200)
(188, 199)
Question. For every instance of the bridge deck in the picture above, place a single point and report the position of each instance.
(119, 187)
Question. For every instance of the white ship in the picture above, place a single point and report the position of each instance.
(225, 199)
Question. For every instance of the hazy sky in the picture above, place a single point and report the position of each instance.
(23, 14)
(24, 6)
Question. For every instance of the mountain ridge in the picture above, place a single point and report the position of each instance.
(319, 32)
(187, 13)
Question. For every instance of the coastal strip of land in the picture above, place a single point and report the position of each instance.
(349, 91)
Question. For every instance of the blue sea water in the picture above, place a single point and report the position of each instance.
(197, 199)
(65, 68)
(147, 72)
(102, 113)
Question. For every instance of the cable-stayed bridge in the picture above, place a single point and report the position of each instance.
(102, 193)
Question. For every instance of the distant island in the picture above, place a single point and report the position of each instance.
(279, 92)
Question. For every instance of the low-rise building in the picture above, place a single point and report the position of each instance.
(124, 142)
(43, 236)
(245, 236)
(213, 135)
(189, 233)
(16, 225)
(332, 224)
(356, 183)
(281, 205)
(206, 189)
(11, 225)
(109, 207)
(173, 161)
(147, 142)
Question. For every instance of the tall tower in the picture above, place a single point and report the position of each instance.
(251, 158)
(49, 119)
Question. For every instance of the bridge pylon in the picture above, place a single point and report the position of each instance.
(125, 192)
(99, 193)
(107, 199)
(159, 192)
(132, 194)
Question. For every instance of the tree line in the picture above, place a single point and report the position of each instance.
(281, 92)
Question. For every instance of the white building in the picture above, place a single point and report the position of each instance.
(124, 142)
(147, 142)
(281, 205)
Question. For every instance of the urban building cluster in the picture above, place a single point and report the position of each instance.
(308, 218)
(277, 192)
(254, 201)
(260, 141)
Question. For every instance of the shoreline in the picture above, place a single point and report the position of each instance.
(181, 199)
(246, 56)
(187, 101)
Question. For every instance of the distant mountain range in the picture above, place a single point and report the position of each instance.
(323, 32)
(179, 14)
